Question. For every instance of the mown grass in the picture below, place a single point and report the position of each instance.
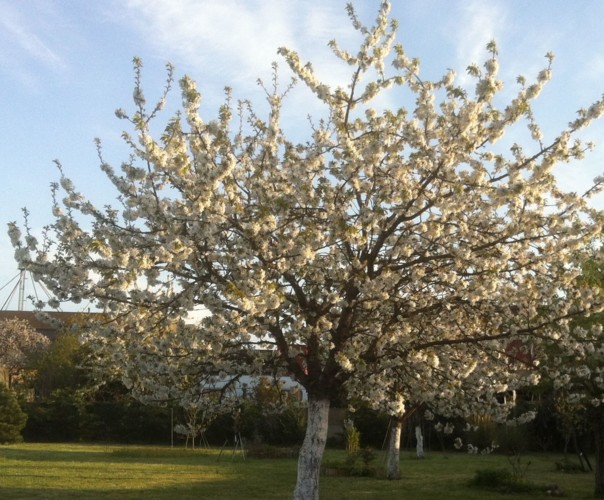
(59, 471)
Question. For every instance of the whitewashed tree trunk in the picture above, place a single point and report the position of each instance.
(393, 467)
(419, 437)
(311, 453)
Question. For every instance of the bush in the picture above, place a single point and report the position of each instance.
(501, 480)
(58, 419)
(274, 426)
(352, 437)
(360, 463)
(569, 466)
(126, 421)
(12, 418)
(267, 451)
(372, 425)
(269, 415)
(66, 416)
(221, 430)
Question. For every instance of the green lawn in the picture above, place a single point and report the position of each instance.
(58, 471)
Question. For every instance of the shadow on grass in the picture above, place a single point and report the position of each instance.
(186, 491)
(113, 455)
(227, 489)
(139, 473)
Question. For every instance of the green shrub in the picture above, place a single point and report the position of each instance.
(267, 451)
(492, 478)
(567, 465)
(66, 416)
(372, 425)
(352, 438)
(57, 419)
(501, 480)
(12, 418)
(269, 415)
(360, 463)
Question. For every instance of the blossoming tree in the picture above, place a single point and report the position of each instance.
(18, 343)
(575, 364)
(387, 234)
(476, 381)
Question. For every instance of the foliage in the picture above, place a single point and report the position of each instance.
(513, 480)
(569, 466)
(352, 438)
(492, 478)
(69, 415)
(389, 255)
(266, 414)
(545, 429)
(272, 415)
(126, 422)
(519, 467)
(358, 463)
(267, 451)
(372, 426)
(59, 418)
(576, 368)
(12, 418)
(60, 366)
(501, 480)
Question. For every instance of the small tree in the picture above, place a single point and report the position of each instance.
(12, 418)
(19, 342)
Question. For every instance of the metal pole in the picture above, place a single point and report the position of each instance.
(21, 300)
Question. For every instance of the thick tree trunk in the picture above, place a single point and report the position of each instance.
(598, 429)
(393, 466)
(419, 438)
(311, 453)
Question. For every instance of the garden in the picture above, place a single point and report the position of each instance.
(408, 254)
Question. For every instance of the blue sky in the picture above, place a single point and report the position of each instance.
(65, 66)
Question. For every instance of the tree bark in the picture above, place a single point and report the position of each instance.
(393, 466)
(419, 437)
(311, 453)
(598, 430)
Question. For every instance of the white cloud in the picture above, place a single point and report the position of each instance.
(32, 44)
(23, 39)
(480, 23)
(234, 42)
(235, 39)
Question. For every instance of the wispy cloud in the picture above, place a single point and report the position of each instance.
(214, 34)
(31, 44)
(235, 39)
(234, 42)
(18, 32)
(479, 23)
(25, 48)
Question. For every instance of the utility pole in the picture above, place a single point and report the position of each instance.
(21, 300)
